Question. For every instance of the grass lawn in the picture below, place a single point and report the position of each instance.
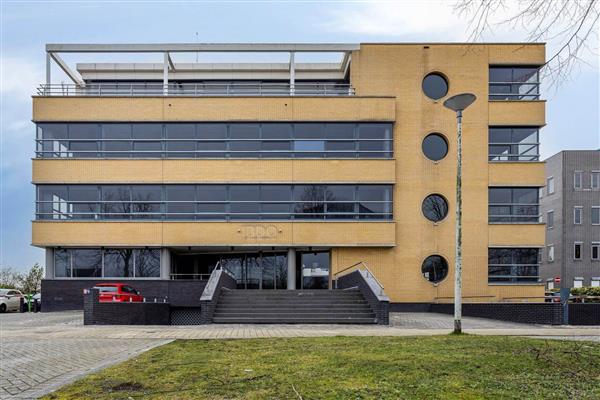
(439, 367)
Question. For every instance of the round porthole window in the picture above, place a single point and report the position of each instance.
(435, 86)
(435, 207)
(434, 268)
(435, 146)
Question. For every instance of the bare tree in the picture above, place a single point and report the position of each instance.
(9, 278)
(571, 24)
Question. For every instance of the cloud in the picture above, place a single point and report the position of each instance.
(20, 77)
(427, 18)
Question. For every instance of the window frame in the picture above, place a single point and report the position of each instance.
(592, 215)
(595, 173)
(595, 245)
(548, 225)
(512, 157)
(514, 95)
(550, 253)
(577, 210)
(549, 185)
(578, 173)
(575, 244)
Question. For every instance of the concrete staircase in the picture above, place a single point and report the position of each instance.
(293, 307)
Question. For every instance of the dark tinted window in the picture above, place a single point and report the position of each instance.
(177, 146)
(62, 263)
(434, 268)
(435, 86)
(435, 207)
(83, 201)
(180, 201)
(146, 201)
(87, 263)
(147, 263)
(116, 200)
(513, 265)
(118, 263)
(244, 146)
(120, 145)
(435, 147)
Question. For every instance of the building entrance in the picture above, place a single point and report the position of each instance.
(257, 270)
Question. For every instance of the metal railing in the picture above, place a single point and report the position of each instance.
(514, 91)
(195, 277)
(198, 89)
(363, 265)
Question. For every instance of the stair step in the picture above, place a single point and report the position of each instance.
(292, 320)
(295, 308)
(277, 314)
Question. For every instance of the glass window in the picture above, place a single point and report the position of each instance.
(116, 201)
(339, 131)
(52, 202)
(309, 131)
(595, 250)
(435, 86)
(62, 263)
(577, 215)
(83, 201)
(374, 201)
(514, 83)
(513, 143)
(146, 201)
(434, 268)
(116, 140)
(148, 144)
(244, 201)
(177, 145)
(309, 201)
(242, 144)
(211, 131)
(54, 143)
(435, 207)
(550, 219)
(309, 148)
(595, 180)
(118, 263)
(340, 201)
(513, 265)
(276, 131)
(147, 263)
(595, 214)
(550, 185)
(551, 253)
(276, 149)
(435, 146)
(513, 204)
(85, 144)
(86, 263)
(275, 193)
(577, 250)
(212, 193)
(180, 201)
(578, 180)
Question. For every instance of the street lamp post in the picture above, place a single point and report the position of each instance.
(458, 104)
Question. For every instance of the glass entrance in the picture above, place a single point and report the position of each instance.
(264, 270)
(313, 270)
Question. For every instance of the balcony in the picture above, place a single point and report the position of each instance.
(201, 89)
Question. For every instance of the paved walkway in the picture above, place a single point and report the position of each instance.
(41, 352)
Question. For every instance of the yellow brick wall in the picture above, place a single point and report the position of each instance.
(207, 170)
(213, 109)
(388, 80)
(276, 233)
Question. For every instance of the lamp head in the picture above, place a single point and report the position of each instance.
(460, 102)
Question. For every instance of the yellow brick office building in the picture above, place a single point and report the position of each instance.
(288, 172)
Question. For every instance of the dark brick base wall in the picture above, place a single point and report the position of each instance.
(380, 308)
(67, 294)
(529, 313)
(96, 313)
(207, 307)
(584, 314)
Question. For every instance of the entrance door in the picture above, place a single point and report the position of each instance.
(274, 271)
(313, 270)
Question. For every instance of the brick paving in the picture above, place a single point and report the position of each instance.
(41, 352)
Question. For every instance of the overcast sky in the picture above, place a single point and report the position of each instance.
(572, 111)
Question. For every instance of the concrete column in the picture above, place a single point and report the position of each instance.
(292, 73)
(49, 269)
(165, 264)
(166, 74)
(291, 270)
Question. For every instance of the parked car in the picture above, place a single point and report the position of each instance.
(10, 300)
(110, 292)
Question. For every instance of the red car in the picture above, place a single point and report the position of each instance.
(112, 292)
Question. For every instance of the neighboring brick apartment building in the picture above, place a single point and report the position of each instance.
(570, 206)
(286, 172)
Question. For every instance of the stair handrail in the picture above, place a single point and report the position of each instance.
(365, 267)
(211, 284)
